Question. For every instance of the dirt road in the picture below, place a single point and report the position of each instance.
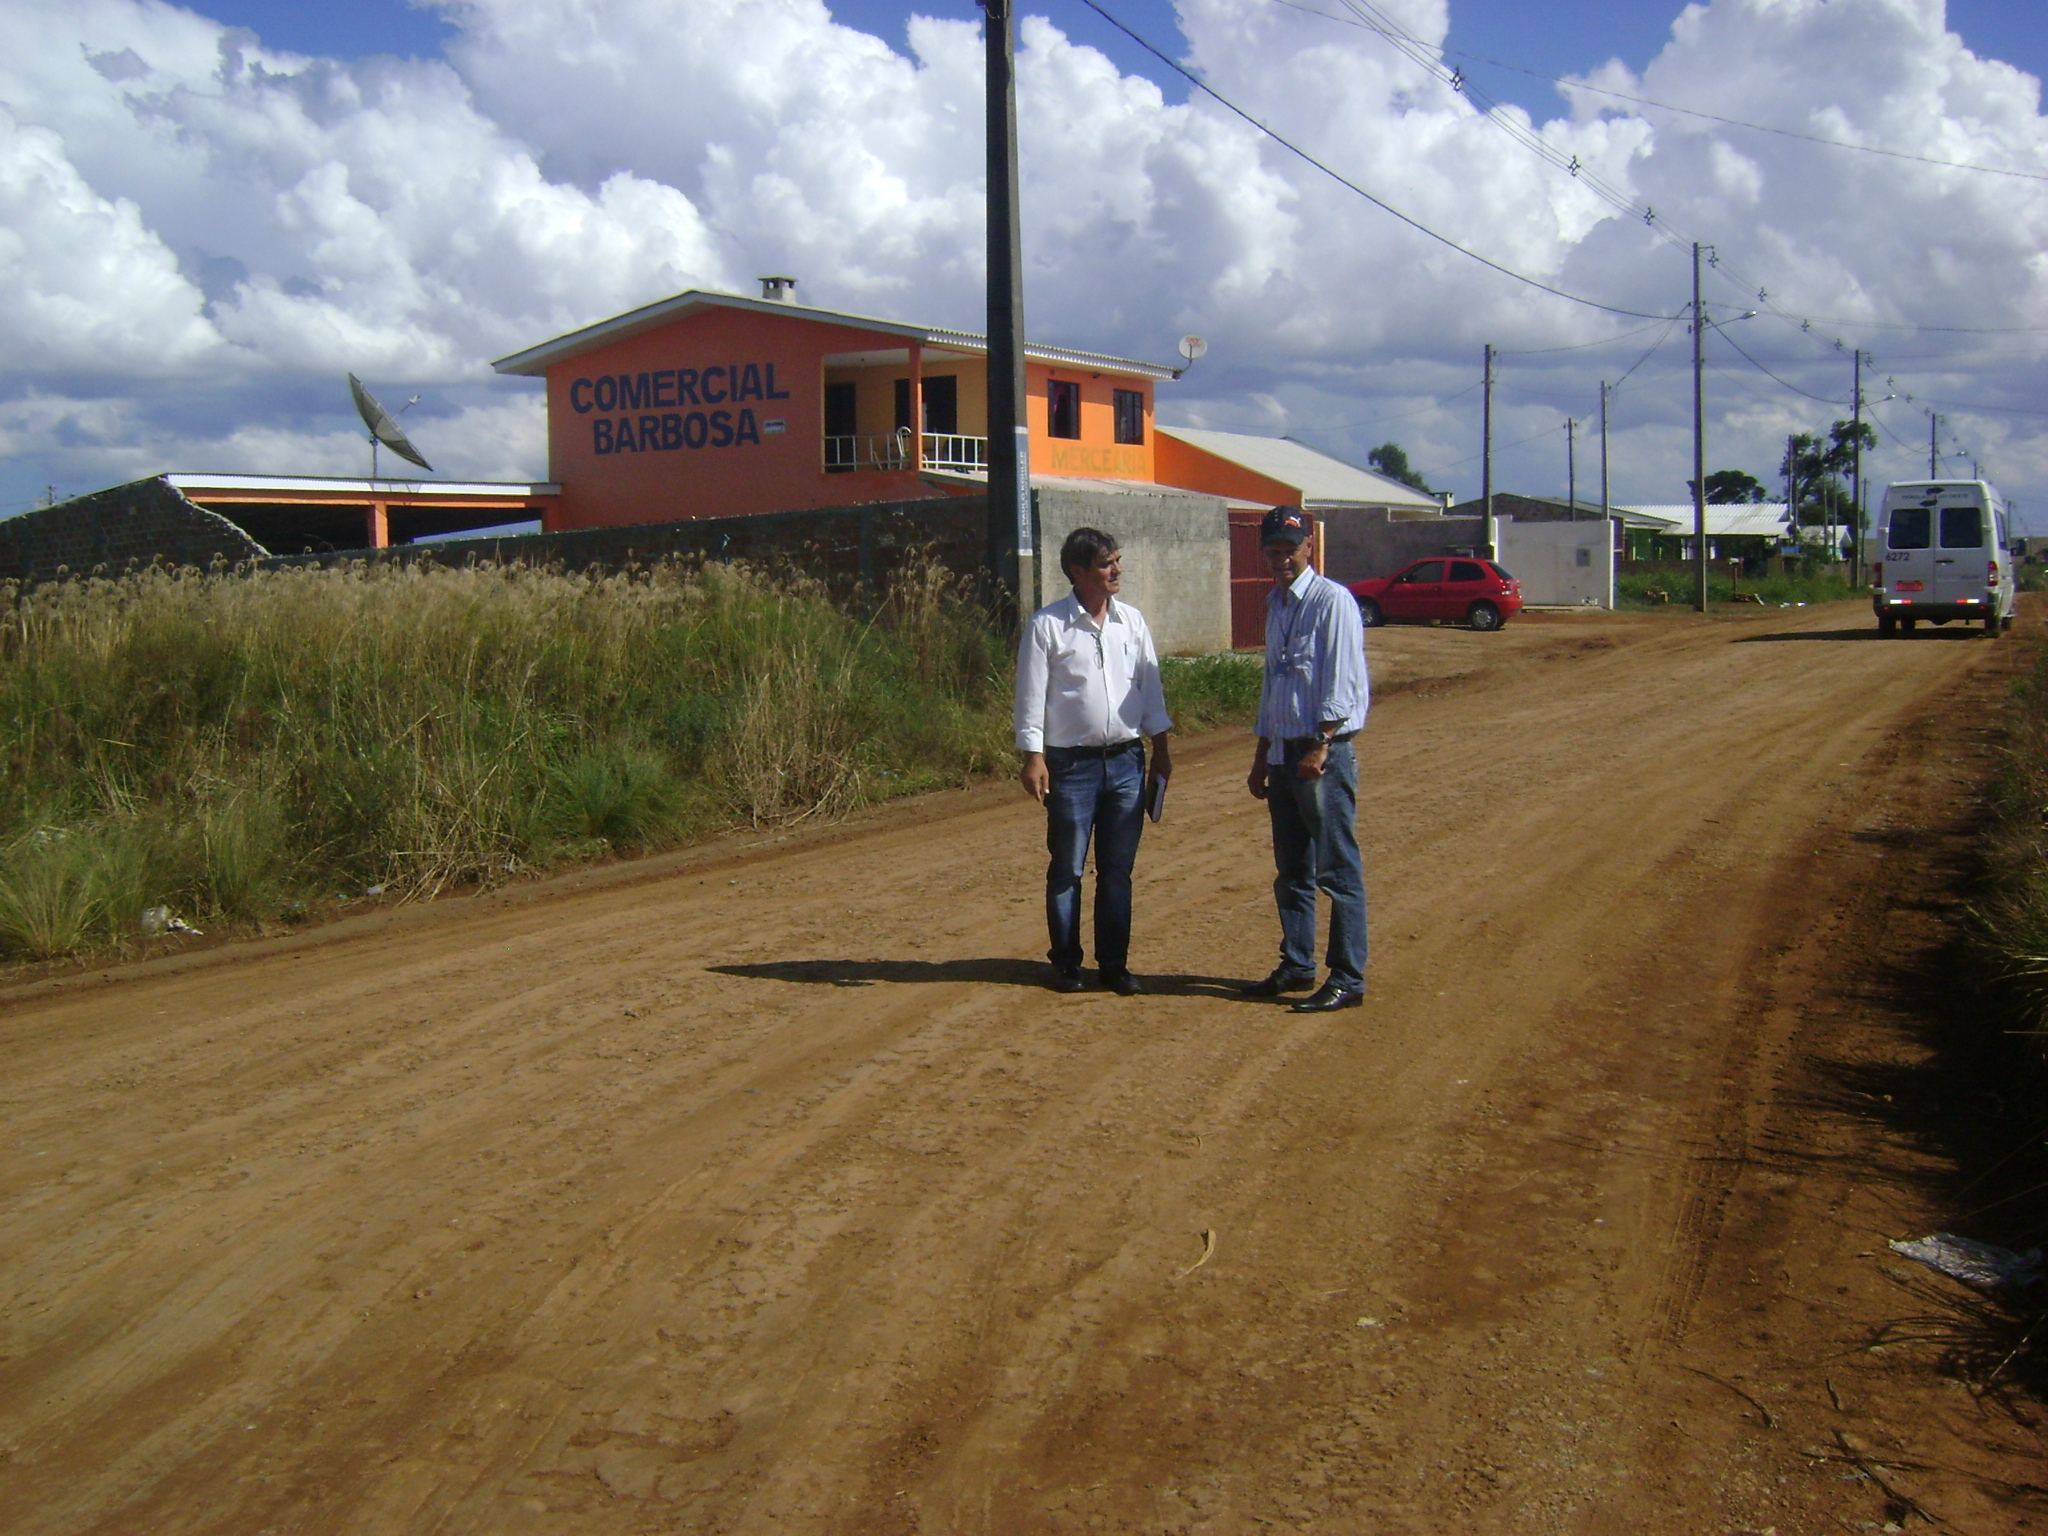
(775, 1195)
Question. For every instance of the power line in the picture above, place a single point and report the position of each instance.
(1346, 182)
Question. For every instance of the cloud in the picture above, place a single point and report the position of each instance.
(199, 233)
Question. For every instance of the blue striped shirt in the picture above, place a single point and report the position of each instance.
(1315, 661)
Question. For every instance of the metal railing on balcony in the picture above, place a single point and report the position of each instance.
(950, 451)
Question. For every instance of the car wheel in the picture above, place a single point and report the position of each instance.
(1886, 623)
(1370, 613)
(1483, 616)
(1908, 625)
(1992, 627)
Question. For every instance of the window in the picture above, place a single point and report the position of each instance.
(903, 405)
(1429, 570)
(1063, 408)
(1500, 570)
(1911, 528)
(1962, 527)
(1130, 416)
(1467, 570)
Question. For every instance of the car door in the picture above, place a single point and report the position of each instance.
(1464, 584)
(1960, 556)
(1412, 594)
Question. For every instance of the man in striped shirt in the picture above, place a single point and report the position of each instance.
(1312, 703)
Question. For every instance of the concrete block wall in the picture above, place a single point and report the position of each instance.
(1366, 543)
(108, 531)
(852, 550)
(1176, 547)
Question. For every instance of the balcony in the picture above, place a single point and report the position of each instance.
(947, 451)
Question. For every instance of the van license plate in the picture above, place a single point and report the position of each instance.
(1908, 586)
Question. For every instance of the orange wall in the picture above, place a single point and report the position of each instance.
(1095, 454)
(633, 436)
(1197, 469)
(704, 457)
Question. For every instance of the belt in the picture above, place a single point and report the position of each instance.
(1114, 749)
(1304, 743)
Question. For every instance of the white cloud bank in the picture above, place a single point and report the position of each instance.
(198, 235)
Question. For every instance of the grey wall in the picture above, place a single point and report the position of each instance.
(133, 524)
(1362, 543)
(1176, 547)
(1560, 564)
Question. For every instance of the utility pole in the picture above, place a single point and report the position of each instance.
(1486, 458)
(1792, 487)
(1699, 439)
(1856, 477)
(1571, 465)
(1606, 507)
(1011, 560)
(1933, 446)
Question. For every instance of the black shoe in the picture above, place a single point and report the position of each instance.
(1123, 984)
(1068, 981)
(1282, 980)
(1329, 997)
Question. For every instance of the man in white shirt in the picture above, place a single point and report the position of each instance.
(1313, 701)
(1088, 693)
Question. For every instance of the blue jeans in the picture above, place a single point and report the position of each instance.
(1105, 797)
(1315, 845)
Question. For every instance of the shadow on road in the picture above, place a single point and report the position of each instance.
(1960, 631)
(989, 972)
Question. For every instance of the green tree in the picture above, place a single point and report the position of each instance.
(1726, 487)
(1391, 460)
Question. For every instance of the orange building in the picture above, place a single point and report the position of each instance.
(713, 405)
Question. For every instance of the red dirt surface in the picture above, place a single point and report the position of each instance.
(764, 1189)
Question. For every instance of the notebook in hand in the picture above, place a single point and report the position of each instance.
(1155, 798)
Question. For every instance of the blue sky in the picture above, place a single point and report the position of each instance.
(1553, 37)
(202, 251)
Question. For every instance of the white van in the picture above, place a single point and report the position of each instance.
(1942, 548)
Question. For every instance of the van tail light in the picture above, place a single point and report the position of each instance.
(1991, 570)
(1877, 574)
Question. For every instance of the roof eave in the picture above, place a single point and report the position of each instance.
(534, 362)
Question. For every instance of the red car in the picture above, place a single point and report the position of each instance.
(1478, 592)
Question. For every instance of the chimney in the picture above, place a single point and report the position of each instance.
(776, 289)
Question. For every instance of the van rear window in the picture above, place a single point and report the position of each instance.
(1962, 527)
(1911, 528)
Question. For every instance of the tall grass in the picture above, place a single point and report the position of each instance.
(2012, 919)
(231, 746)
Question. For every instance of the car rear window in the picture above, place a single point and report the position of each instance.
(1467, 570)
(1911, 528)
(1962, 527)
(1502, 572)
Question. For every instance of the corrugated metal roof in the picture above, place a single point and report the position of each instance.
(1725, 520)
(537, 360)
(383, 484)
(1321, 479)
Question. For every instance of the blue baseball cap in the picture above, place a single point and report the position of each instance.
(1286, 525)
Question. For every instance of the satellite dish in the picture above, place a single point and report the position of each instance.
(383, 427)
(1192, 347)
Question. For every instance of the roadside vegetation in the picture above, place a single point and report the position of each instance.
(198, 748)
(1820, 584)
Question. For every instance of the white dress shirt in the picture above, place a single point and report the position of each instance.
(1083, 684)
(1315, 662)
